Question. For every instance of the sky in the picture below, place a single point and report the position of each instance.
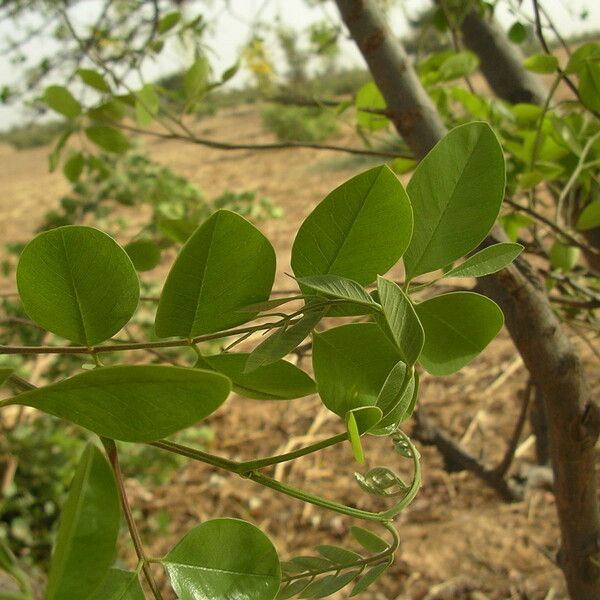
(232, 23)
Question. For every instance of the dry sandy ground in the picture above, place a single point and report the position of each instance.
(459, 540)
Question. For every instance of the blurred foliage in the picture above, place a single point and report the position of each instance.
(301, 124)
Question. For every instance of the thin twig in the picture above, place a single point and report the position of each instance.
(540, 35)
(557, 228)
(113, 457)
(219, 145)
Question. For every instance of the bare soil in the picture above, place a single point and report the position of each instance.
(459, 540)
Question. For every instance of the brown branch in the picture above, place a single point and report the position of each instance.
(502, 469)
(457, 456)
(540, 35)
(556, 228)
(219, 145)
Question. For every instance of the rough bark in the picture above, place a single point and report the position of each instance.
(500, 61)
(573, 419)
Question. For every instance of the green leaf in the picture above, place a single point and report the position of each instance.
(563, 256)
(60, 100)
(338, 287)
(144, 254)
(300, 564)
(291, 589)
(337, 555)
(267, 305)
(5, 373)
(321, 588)
(541, 63)
(279, 380)
(77, 282)
(395, 397)
(93, 79)
(589, 217)
(178, 230)
(195, 79)
(585, 52)
(223, 559)
(354, 437)
(513, 223)
(73, 167)
(401, 320)
(458, 326)
(351, 364)
(369, 96)
(589, 84)
(370, 577)
(487, 261)
(168, 21)
(119, 585)
(368, 540)
(230, 72)
(132, 403)
(456, 193)
(147, 104)
(108, 138)
(518, 33)
(460, 64)
(87, 535)
(358, 231)
(54, 156)
(226, 265)
(366, 417)
(283, 341)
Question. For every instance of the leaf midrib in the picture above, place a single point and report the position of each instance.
(71, 280)
(415, 269)
(339, 249)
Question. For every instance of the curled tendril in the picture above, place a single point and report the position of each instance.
(381, 481)
(402, 445)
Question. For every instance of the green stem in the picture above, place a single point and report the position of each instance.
(260, 463)
(309, 498)
(138, 345)
(113, 457)
(574, 175)
(283, 488)
(538, 134)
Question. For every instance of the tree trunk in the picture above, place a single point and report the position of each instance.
(413, 113)
(500, 60)
(573, 419)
